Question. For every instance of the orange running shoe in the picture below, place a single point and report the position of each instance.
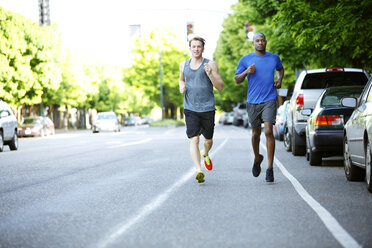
(207, 162)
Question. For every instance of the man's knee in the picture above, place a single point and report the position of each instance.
(208, 141)
(195, 140)
(269, 130)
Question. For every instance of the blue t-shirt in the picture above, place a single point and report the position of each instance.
(260, 83)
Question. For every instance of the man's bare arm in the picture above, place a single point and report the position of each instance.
(278, 83)
(211, 69)
(181, 80)
(239, 78)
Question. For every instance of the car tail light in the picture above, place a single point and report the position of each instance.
(335, 69)
(328, 120)
(300, 101)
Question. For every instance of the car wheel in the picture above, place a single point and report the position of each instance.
(352, 172)
(287, 140)
(368, 168)
(13, 145)
(296, 150)
(1, 142)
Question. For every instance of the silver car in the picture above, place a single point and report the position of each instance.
(106, 121)
(358, 138)
(8, 127)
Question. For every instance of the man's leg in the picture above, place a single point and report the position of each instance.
(207, 146)
(194, 152)
(256, 133)
(270, 143)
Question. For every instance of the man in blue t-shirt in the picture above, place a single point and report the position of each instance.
(259, 68)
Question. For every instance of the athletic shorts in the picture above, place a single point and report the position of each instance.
(199, 123)
(262, 112)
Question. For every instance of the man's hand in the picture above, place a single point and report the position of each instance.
(251, 69)
(207, 69)
(278, 84)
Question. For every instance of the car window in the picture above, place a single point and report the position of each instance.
(106, 117)
(366, 93)
(31, 121)
(331, 79)
(332, 97)
(369, 97)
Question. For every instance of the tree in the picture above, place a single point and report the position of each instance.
(27, 59)
(144, 71)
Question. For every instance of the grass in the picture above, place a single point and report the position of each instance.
(167, 122)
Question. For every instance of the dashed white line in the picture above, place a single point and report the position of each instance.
(131, 143)
(334, 227)
(152, 206)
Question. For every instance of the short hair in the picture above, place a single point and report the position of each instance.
(258, 34)
(198, 39)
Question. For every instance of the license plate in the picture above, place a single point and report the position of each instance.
(28, 131)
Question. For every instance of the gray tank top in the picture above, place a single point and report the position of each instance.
(199, 95)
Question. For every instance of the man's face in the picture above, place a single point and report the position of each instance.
(259, 43)
(196, 48)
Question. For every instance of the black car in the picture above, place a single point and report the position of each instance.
(358, 138)
(325, 126)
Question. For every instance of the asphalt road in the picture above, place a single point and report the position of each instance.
(136, 188)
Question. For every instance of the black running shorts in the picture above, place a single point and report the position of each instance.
(259, 113)
(199, 123)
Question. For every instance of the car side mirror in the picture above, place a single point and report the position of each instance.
(349, 102)
(306, 112)
(283, 92)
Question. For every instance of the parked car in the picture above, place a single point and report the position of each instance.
(8, 127)
(308, 87)
(280, 122)
(358, 138)
(239, 111)
(229, 118)
(36, 126)
(245, 119)
(106, 121)
(222, 118)
(325, 126)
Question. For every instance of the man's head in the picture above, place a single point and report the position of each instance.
(196, 45)
(197, 39)
(259, 42)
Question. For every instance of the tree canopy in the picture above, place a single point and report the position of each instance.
(304, 33)
(144, 71)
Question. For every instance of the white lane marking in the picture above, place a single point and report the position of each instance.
(152, 206)
(170, 131)
(340, 234)
(131, 143)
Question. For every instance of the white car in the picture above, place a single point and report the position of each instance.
(8, 127)
(106, 121)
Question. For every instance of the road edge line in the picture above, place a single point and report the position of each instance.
(333, 226)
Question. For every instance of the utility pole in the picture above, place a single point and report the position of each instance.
(161, 86)
(44, 13)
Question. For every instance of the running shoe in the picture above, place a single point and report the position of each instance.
(207, 162)
(200, 177)
(270, 175)
(256, 170)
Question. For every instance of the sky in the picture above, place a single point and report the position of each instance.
(99, 29)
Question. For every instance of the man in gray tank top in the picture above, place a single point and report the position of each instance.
(198, 76)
